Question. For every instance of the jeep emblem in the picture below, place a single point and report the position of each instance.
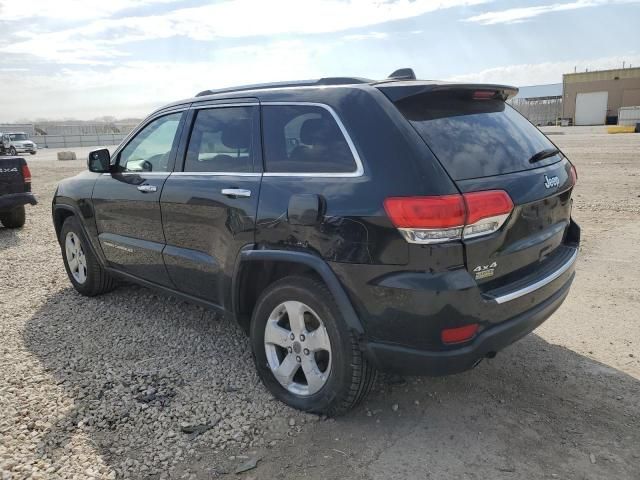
(551, 181)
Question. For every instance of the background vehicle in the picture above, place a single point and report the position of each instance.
(420, 237)
(15, 191)
(14, 143)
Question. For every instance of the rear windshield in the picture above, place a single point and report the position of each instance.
(475, 138)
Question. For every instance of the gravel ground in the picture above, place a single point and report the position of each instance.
(134, 384)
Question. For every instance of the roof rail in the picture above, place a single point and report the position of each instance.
(295, 83)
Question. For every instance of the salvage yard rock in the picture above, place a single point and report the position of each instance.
(118, 386)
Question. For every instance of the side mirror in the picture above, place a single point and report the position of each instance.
(99, 161)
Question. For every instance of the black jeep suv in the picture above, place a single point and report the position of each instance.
(348, 225)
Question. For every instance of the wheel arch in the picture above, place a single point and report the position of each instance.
(264, 267)
(60, 214)
(62, 211)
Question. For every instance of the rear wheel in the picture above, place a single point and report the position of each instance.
(304, 353)
(14, 218)
(83, 268)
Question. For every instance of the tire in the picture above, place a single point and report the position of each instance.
(32, 153)
(14, 218)
(85, 272)
(12, 152)
(341, 378)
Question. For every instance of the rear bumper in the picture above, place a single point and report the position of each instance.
(410, 361)
(13, 200)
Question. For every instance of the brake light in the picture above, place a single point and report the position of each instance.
(26, 174)
(574, 175)
(484, 94)
(459, 334)
(449, 217)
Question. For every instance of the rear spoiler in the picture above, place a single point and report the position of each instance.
(397, 91)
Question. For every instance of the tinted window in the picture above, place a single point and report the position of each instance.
(304, 139)
(475, 138)
(150, 149)
(221, 141)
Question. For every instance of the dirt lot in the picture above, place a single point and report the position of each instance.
(116, 385)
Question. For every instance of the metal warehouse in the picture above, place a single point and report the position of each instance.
(593, 98)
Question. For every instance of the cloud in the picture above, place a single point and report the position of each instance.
(98, 41)
(367, 36)
(516, 15)
(16, 10)
(543, 73)
(132, 88)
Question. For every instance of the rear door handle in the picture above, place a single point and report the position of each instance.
(236, 192)
(147, 188)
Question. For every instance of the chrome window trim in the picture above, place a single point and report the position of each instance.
(223, 105)
(540, 283)
(358, 172)
(140, 173)
(218, 174)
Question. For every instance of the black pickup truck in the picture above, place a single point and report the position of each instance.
(15, 191)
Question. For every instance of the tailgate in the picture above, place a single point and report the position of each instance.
(485, 144)
(537, 226)
(11, 179)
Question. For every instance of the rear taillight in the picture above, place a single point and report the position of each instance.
(486, 212)
(26, 174)
(574, 175)
(449, 217)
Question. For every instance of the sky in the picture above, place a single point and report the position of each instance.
(86, 59)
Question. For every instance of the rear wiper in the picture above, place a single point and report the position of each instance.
(542, 154)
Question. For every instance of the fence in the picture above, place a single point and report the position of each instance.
(541, 112)
(64, 141)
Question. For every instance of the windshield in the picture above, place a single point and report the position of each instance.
(475, 138)
(18, 136)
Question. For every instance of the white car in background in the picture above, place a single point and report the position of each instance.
(17, 142)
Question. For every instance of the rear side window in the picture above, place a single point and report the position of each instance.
(221, 141)
(475, 138)
(304, 139)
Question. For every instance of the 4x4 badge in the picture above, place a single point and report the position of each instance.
(484, 271)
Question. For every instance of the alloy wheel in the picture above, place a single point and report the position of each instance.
(76, 259)
(298, 348)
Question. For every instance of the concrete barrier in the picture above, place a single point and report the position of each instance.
(67, 156)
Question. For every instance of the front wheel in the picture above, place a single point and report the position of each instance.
(304, 352)
(13, 152)
(15, 218)
(84, 270)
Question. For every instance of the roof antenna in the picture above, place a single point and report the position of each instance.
(403, 74)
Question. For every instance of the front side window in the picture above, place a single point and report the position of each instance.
(150, 149)
(221, 141)
(304, 139)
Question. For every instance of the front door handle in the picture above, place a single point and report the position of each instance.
(147, 188)
(236, 192)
